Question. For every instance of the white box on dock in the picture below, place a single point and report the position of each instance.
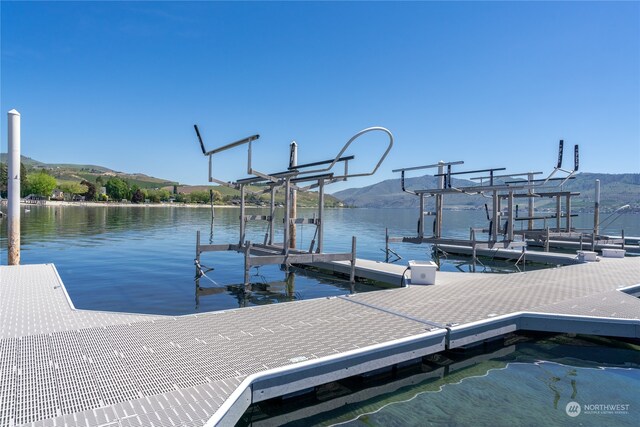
(587, 256)
(613, 253)
(423, 272)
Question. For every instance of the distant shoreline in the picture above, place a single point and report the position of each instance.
(58, 203)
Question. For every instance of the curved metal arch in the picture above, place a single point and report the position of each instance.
(346, 146)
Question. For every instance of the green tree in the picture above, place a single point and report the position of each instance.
(90, 194)
(40, 183)
(199, 197)
(157, 196)
(4, 179)
(73, 188)
(118, 189)
(138, 196)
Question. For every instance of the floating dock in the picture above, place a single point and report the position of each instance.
(60, 366)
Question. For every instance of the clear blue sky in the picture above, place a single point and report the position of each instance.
(495, 84)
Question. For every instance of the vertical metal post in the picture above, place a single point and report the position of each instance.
(596, 210)
(510, 216)
(210, 173)
(439, 200)
(293, 208)
(352, 275)
(546, 240)
(320, 216)
(474, 252)
(213, 216)
(272, 213)
(287, 200)
(198, 246)
(421, 217)
(568, 212)
(247, 264)
(386, 244)
(242, 207)
(496, 218)
(13, 187)
(531, 205)
(558, 213)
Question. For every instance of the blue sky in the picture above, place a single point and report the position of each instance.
(495, 84)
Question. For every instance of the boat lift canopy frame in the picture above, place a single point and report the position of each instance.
(507, 190)
(315, 177)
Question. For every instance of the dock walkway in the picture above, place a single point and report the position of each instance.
(60, 366)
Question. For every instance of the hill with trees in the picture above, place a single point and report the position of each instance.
(86, 182)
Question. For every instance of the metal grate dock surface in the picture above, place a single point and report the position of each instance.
(62, 366)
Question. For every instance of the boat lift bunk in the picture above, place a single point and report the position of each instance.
(302, 177)
(497, 188)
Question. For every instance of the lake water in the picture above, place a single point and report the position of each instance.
(530, 383)
(140, 259)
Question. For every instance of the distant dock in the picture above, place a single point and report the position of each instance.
(67, 367)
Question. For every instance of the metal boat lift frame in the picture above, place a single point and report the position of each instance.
(314, 175)
(509, 190)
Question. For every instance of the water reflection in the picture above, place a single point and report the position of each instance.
(481, 386)
(258, 292)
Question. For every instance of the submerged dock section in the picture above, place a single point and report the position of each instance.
(67, 367)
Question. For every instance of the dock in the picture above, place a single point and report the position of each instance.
(61, 366)
(552, 258)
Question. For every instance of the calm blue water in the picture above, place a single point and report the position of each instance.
(528, 384)
(140, 259)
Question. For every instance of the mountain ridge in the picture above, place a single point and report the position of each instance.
(616, 190)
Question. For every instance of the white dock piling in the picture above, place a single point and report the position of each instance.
(13, 187)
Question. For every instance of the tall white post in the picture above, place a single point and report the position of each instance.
(13, 178)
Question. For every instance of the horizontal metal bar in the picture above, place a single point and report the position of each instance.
(468, 172)
(233, 144)
(257, 217)
(545, 194)
(251, 180)
(527, 218)
(539, 180)
(312, 177)
(218, 248)
(323, 162)
(304, 221)
(258, 179)
(305, 258)
(460, 162)
(509, 175)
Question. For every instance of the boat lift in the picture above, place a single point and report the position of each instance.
(496, 187)
(303, 177)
